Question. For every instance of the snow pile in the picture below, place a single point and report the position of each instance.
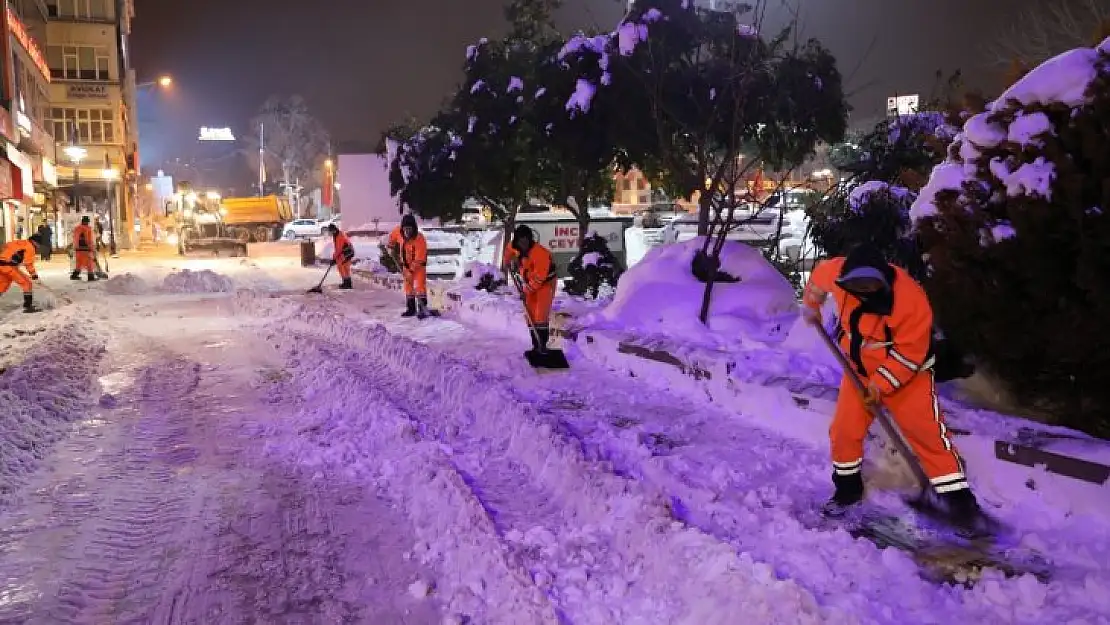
(203, 281)
(660, 296)
(126, 284)
(1015, 121)
(42, 390)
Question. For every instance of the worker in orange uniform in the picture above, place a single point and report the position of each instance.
(343, 256)
(885, 330)
(13, 256)
(84, 247)
(534, 264)
(410, 250)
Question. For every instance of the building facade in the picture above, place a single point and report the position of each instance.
(92, 95)
(28, 176)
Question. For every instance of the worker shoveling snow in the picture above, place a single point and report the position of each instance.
(203, 281)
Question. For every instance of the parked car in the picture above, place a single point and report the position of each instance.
(304, 228)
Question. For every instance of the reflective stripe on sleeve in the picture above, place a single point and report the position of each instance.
(881, 370)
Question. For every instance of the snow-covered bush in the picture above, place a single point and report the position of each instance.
(661, 296)
(874, 212)
(595, 266)
(482, 277)
(1018, 244)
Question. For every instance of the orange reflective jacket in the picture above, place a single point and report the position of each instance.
(83, 238)
(414, 253)
(887, 350)
(21, 252)
(536, 268)
(344, 250)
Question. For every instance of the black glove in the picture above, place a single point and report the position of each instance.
(332, 262)
(35, 277)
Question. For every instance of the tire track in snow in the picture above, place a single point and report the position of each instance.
(94, 543)
(645, 566)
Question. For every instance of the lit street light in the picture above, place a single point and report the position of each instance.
(164, 82)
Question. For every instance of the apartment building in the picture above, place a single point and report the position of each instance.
(28, 176)
(92, 95)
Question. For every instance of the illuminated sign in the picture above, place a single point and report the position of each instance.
(28, 43)
(902, 105)
(216, 134)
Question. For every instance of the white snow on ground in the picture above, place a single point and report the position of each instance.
(292, 458)
(660, 296)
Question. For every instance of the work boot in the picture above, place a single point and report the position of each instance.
(346, 284)
(92, 277)
(962, 507)
(29, 304)
(849, 492)
(410, 307)
(76, 275)
(545, 335)
(422, 307)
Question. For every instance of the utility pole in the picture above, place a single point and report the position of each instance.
(261, 158)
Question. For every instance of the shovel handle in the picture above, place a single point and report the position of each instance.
(878, 412)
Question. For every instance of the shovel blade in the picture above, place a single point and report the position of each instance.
(548, 359)
(316, 289)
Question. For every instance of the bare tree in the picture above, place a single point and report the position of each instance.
(295, 143)
(1049, 28)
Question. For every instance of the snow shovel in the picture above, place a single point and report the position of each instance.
(542, 358)
(927, 497)
(319, 288)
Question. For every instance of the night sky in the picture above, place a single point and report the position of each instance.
(364, 64)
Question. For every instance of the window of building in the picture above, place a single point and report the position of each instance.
(80, 126)
(79, 9)
(79, 62)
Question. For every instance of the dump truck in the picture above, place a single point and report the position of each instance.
(255, 219)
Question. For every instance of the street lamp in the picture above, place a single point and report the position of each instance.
(111, 174)
(76, 154)
(164, 82)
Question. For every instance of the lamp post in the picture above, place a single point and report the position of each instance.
(111, 174)
(164, 82)
(76, 154)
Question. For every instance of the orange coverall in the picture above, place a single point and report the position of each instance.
(344, 254)
(537, 274)
(893, 355)
(84, 246)
(414, 265)
(19, 253)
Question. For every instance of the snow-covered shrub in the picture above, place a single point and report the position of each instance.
(1018, 244)
(387, 259)
(873, 212)
(482, 277)
(595, 266)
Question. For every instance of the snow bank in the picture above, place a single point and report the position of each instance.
(473, 272)
(126, 284)
(203, 281)
(660, 296)
(48, 374)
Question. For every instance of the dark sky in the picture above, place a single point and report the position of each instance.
(364, 63)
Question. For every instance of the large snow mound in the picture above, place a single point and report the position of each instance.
(126, 284)
(1013, 123)
(203, 281)
(661, 296)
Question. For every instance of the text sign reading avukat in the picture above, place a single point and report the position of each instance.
(216, 134)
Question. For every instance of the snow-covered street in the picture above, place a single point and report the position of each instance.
(220, 447)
